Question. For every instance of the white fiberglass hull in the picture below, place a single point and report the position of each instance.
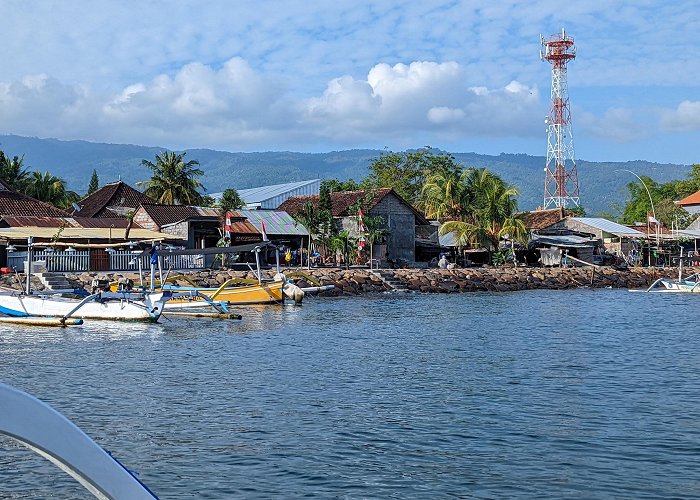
(147, 308)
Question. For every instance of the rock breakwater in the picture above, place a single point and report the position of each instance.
(361, 281)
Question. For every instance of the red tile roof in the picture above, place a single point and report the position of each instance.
(162, 215)
(341, 202)
(111, 200)
(650, 229)
(13, 203)
(693, 199)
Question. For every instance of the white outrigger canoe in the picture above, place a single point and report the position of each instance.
(48, 433)
(691, 284)
(103, 305)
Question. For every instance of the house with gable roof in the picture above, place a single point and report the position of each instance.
(23, 217)
(400, 219)
(113, 200)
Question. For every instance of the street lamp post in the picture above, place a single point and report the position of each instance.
(653, 212)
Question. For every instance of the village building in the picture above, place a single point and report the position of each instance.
(78, 242)
(399, 217)
(278, 226)
(690, 204)
(13, 203)
(113, 200)
(548, 244)
(193, 227)
(615, 239)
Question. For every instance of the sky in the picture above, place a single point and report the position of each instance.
(318, 76)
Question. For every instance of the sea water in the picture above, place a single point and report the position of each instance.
(546, 394)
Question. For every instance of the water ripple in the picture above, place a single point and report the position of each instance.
(586, 394)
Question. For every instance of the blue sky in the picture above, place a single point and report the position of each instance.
(319, 76)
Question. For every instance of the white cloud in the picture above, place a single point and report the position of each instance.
(685, 118)
(422, 97)
(236, 107)
(442, 115)
(620, 125)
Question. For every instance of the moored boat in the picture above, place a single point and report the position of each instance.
(102, 305)
(271, 292)
(690, 284)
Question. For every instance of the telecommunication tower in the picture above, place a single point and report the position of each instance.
(560, 178)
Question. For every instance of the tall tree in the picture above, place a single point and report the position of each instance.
(325, 212)
(174, 181)
(445, 196)
(648, 196)
(485, 213)
(51, 189)
(406, 172)
(230, 200)
(335, 186)
(308, 216)
(94, 182)
(13, 172)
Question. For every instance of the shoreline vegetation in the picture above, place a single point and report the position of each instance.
(361, 281)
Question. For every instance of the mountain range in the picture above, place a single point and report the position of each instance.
(602, 184)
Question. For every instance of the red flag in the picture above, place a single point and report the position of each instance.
(264, 234)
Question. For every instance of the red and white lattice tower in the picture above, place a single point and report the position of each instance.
(560, 178)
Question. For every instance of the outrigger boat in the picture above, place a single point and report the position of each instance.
(143, 305)
(234, 291)
(100, 305)
(45, 431)
(689, 284)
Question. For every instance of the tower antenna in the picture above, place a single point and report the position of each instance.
(560, 177)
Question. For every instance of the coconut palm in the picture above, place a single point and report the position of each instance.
(51, 189)
(445, 196)
(486, 211)
(375, 230)
(13, 172)
(309, 217)
(174, 180)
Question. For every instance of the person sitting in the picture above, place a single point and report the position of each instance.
(442, 263)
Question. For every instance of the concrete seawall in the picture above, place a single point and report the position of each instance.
(360, 281)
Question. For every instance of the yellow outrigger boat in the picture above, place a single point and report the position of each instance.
(231, 291)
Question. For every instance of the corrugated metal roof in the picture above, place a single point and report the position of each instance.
(258, 195)
(208, 211)
(276, 222)
(609, 226)
(689, 233)
(564, 240)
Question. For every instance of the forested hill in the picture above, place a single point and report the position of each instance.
(601, 183)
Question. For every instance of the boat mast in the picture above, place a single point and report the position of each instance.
(30, 241)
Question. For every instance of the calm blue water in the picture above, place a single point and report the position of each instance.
(576, 394)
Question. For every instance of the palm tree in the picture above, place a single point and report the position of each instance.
(174, 180)
(485, 212)
(50, 189)
(444, 196)
(309, 217)
(12, 171)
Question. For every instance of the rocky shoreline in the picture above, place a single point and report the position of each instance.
(361, 281)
